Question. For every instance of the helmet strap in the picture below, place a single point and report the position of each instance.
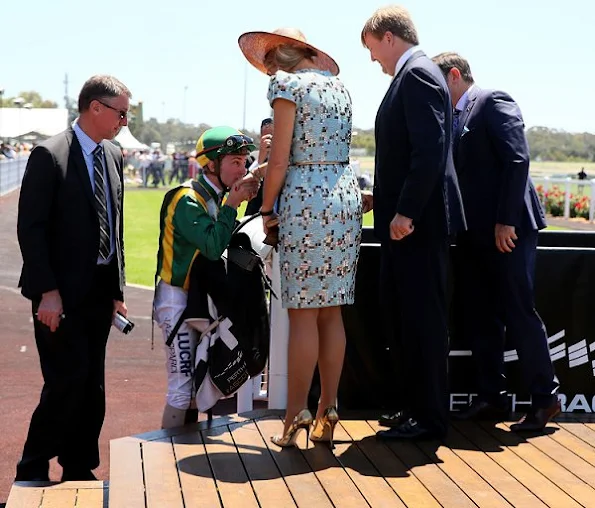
(217, 162)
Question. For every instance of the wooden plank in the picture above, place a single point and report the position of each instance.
(580, 430)
(90, 498)
(472, 484)
(362, 472)
(196, 478)
(59, 498)
(234, 485)
(445, 490)
(500, 480)
(22, 496)
(331, 475)
(568, 482)
(573, 443)
(162, 484)
(531, 478)
(301, 481)
(90, 484)
(127, 485)
(403, 482)
(563, 456)
(267, 481)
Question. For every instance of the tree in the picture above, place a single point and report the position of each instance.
(30, 97)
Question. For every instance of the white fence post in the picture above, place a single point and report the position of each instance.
(567, 198)
(592, 201)
(277, 382)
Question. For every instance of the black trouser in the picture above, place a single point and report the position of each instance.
(496, 291)
(413, 305)
(68, 420)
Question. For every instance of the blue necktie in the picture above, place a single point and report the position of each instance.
(455, 121)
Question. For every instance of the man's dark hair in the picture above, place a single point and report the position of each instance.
(394, 19)
(100, 87)
(449, 60)
(266, 121)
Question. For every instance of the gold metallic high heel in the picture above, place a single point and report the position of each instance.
(303, 420)
(324, 428)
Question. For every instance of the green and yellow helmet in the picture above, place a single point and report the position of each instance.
(220, 141)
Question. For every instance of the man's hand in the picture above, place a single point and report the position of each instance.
(120, 307)
(243, 189)
(265, 147)
(400, 227)
(50, 310)
(367, 201)
(505, 236)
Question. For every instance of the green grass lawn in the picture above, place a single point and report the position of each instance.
(141, 232)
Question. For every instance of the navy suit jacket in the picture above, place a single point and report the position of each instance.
(492, 162)
(414, 169)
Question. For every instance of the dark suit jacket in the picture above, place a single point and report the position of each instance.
(492, 161)
(414, 172)
(58, 227)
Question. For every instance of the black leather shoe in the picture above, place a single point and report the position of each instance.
(409, 430)
(481, 410)
(537, 419)
(37, 471)
(77, 475)
(393, 419)
(39, 478)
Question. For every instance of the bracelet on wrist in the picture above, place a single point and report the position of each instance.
(266, 213)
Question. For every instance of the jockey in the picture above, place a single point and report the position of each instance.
(193, 220)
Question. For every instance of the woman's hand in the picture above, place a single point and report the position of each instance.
(270, 226)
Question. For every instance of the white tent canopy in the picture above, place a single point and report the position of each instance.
(15, 122)
(127, 141)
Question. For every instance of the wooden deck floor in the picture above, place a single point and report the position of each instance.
(233, 464)
(58, 495)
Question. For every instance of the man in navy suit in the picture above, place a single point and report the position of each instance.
(417, 205)
(496, 255)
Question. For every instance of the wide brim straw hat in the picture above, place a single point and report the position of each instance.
(256, 45)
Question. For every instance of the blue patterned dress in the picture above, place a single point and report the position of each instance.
(320, 205)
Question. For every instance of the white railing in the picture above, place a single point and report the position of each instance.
(568, 184)
(11, 174)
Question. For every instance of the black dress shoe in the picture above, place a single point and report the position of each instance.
(537, 419)
(35, 471)
(38, 478)
(393, 419)
(77, 475)
(481, 410)
(408, 430)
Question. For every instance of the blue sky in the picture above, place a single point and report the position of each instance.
(539, 51)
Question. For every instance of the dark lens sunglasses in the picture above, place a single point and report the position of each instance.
(123, 114)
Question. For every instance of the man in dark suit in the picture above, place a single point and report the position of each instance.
(70, 233)
(496, 256)
(416, 205)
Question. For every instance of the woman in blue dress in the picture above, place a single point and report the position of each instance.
(319, 216)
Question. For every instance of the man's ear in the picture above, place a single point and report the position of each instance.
(455, 73)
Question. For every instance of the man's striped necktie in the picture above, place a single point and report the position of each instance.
(101, 203)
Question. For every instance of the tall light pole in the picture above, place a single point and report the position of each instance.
(245, 95)
(184, 105)
(1, 105)
(18, 102)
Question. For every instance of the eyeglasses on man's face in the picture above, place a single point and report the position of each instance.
(123, 114)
